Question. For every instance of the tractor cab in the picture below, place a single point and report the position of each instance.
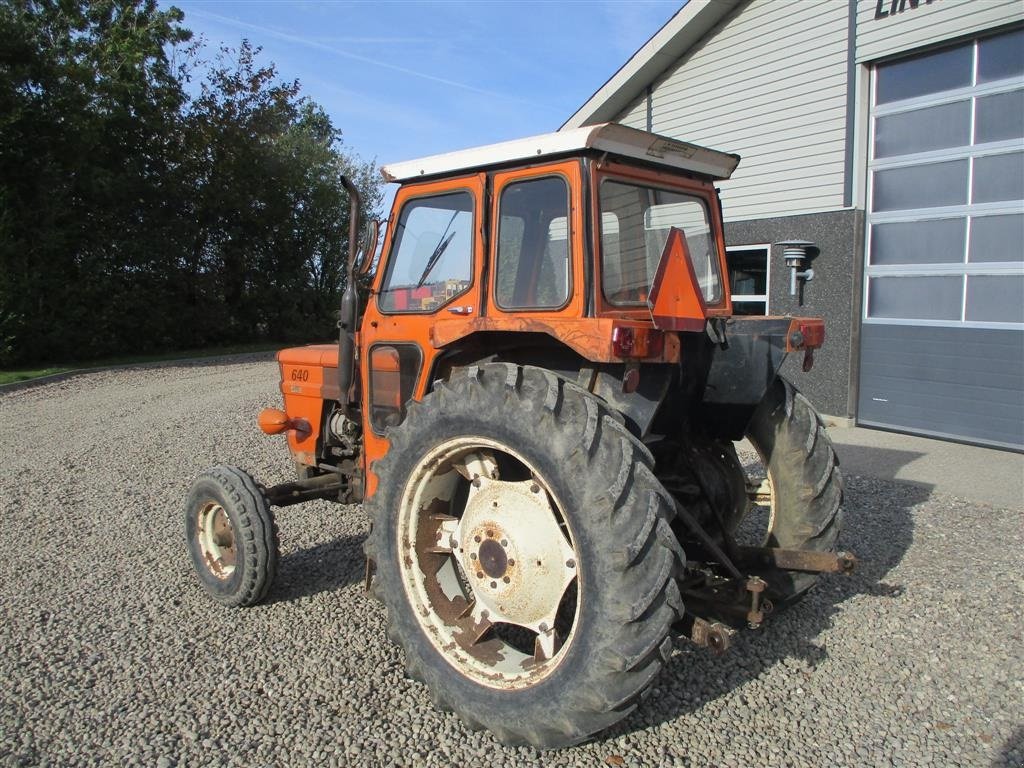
(598, 249)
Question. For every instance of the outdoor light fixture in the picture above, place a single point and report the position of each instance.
(796, 253)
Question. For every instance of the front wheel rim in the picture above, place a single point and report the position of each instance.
(216, 538)
(488, 563)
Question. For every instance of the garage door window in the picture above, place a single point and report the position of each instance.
(946, 211)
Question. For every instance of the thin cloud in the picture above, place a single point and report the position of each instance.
(309, 43)
(370, 40)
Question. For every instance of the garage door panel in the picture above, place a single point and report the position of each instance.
(932, 379)
(895, 378)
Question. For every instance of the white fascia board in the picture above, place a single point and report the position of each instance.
(659, 53)
(612, 138)
(618, 139)
(491, 154)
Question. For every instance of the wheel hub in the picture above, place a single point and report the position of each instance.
(493, 559)
(216, 540)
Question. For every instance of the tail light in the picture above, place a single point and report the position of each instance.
(636, 342)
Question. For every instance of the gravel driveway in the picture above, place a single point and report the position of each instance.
(110, 653)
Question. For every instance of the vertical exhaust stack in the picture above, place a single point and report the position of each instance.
(349, 301)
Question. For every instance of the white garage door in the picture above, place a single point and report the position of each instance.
(942, 346)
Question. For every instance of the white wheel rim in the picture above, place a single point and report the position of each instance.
(488, 565)
(216, 540)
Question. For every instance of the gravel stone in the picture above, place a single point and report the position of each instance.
(111, 653)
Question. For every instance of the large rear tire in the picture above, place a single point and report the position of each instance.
(523, 551)
(803, 492)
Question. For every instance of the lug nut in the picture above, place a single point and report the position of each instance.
(511, 562)
(479, 574)
(504, 542)
(472, 555)
(494, 585)
(570, 563)
(506, 579)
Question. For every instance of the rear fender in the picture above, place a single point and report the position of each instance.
(746, 355)
(636, 390)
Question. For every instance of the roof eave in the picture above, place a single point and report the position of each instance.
(665, 47)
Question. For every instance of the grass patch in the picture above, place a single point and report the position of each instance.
(12, 376)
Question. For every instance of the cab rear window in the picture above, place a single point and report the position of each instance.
(635, 224)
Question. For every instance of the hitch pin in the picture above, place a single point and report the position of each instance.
(755, 586)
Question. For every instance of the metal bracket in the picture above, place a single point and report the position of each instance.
(714, 636)
(317, 487)
(807, 561)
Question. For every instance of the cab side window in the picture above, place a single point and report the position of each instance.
(432, 256)
(533, 245)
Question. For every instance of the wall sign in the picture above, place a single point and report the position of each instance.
(884, 8)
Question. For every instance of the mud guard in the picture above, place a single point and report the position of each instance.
(745, 359)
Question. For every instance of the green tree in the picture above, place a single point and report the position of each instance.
(134, 217)
(88, 98)
(270, 213)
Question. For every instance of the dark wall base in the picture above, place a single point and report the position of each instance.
(834, 295)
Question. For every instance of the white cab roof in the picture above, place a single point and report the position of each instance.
(612, 138)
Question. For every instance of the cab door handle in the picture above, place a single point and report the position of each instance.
(461, 310)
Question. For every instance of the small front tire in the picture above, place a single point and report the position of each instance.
(232, 537)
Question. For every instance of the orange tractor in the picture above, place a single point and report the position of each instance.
(538, 403)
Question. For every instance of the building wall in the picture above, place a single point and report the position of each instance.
(833, 294)
(769, 83)
(786, 86)
(888, 27)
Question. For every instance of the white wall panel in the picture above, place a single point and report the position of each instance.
(636, 115)
(769, 83)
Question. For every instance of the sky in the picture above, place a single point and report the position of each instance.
(407, 79)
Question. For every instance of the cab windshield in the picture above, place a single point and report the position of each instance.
(635, 224)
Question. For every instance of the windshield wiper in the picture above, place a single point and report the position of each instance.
(434, 257)
(438, 251)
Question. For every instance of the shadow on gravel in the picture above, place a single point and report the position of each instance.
(884, 463)
(321, 568)
(877, 527)
(1012, 753)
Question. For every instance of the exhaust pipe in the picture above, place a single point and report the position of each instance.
(349, 301)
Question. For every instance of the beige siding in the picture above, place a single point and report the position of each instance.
(769, 83)
(636, 115)
(926, 24)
